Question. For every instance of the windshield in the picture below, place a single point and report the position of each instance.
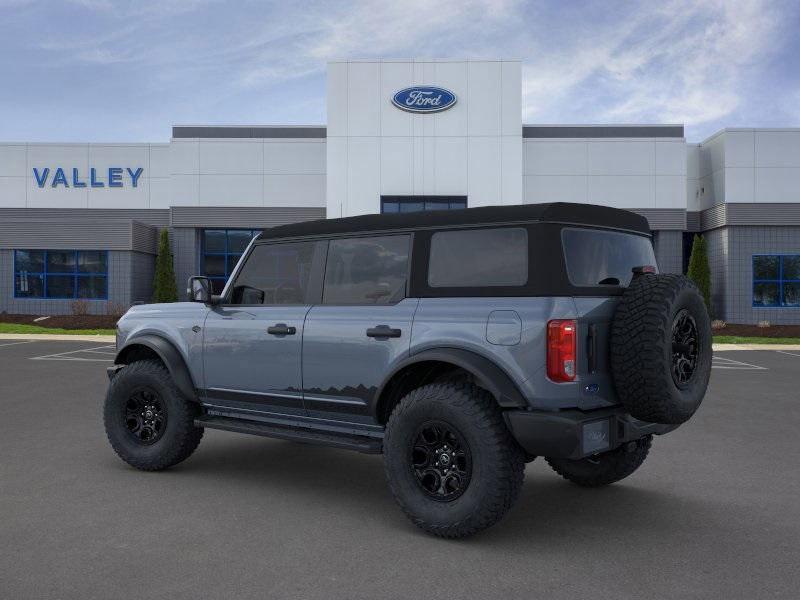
(596, 257)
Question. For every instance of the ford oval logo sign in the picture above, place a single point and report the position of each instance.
(424, 99)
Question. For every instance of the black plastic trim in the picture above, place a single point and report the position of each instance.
(169, 355)
(491, 377)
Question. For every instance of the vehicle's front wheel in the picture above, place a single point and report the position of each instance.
(605, 468)
(148, 422)
(451, 463)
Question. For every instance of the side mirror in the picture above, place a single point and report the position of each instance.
(199, 289)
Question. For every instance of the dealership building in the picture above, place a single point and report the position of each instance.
(81, 221)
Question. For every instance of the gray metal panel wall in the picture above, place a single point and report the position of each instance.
(256, 217)
(151, 216)
(144, 238)
(663, 218)
(668, 246)
(67, 234)
(693, 221)
(185, 252)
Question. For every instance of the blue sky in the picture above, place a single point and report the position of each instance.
(105, 70)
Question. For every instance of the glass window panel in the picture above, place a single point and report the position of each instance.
(407, 207)
(597, 257)
(765, 294)
(60, 286)
(437, 204)
(275, 274)
(791, 294)
(458, 204)
(791, 267)
(238, 240)
(214, 265)
(231, 261)
(479, 258)
(60, 261)
(765, 267)
(390, 207)
(91, 286)
(29, 260)
(92, 261)
(214, 240)
(366, 270)
(217, 285)
(28, 286)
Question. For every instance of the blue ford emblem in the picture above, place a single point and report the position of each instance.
(424, 99)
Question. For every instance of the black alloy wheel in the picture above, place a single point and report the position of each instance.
(145, 416)
(685, 348)
(441, 461)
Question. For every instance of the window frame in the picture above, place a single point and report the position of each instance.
(75, 274)
(780, 281)
(314, 289)
(401, 200)
(408, 234)
(254, 233)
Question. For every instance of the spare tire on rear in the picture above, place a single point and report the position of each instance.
(661, 348)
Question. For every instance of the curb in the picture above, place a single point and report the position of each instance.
(728, 347)
(58, 337)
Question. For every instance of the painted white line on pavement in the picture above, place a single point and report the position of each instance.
(16, 343)
(729, 363)
(66, 355)
(789, 353)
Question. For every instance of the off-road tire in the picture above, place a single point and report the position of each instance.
(642, 349)
(180, 436)
(497, 461)
(605, 468)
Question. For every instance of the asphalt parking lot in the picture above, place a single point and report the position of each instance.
(713, 513)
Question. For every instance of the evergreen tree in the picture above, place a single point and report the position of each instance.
(164, 287)
(699, 271)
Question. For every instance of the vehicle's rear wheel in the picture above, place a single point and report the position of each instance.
(148, 422)
(605, 468)
(661, 348)
(451, 463)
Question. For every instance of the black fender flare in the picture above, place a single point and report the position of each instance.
(169, 355)
(491, 377)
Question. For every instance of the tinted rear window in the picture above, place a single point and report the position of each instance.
(604, 257)
(479, 258)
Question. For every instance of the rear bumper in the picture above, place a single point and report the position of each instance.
(575, 434)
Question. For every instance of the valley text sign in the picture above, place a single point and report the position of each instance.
(424, 99)
(113, 177)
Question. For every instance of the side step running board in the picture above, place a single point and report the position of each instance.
(295, 434)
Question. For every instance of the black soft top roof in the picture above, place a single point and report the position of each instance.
(556, 212)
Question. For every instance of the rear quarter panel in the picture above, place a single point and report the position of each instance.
(462, 323)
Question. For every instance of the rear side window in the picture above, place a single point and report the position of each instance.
(597, 257)
(479, 258)
(275, 274)
(369, 270)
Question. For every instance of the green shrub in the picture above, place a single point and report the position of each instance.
(164, 287)
(699, 271)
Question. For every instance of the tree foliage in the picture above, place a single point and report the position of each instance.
(164, 286)
(699, 271)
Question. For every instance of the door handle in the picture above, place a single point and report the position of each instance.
(383, 331)
(281, 329)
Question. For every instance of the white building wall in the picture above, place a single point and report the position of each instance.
(623, 172)
(185, 172)
(374, 148)
(749, 166)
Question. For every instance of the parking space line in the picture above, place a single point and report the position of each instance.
(66, 355)
(17, 343)
(788, 353)
(729, 363)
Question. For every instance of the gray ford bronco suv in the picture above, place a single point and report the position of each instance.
(459, 344)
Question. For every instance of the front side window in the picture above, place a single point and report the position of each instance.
(67, 274)
(596, 257)
(369, 270)
(776, 280)
(479, 258)
(275, 274)
(222, 249)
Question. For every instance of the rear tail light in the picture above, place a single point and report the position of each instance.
(561, 349)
